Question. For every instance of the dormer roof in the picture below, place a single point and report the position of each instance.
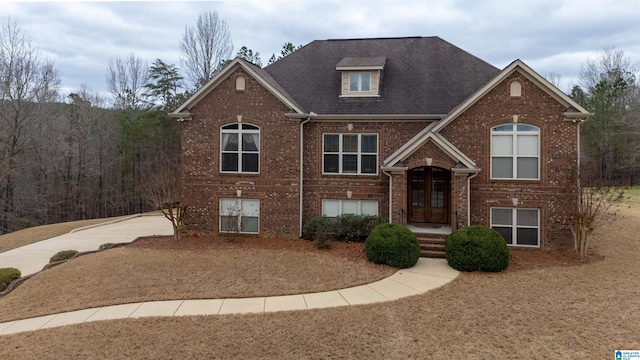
(362, 63)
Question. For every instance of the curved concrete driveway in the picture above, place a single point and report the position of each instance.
(426, 275)
(32, 258)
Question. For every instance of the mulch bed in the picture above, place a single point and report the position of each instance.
(349, 250)
(524, 259)
(521, 259)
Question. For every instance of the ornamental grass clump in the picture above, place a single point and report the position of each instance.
(63, 255)
(393, 245)
(7, 275)
(476, 248)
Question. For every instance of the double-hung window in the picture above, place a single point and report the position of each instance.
(359, 81)
(240, 145)
(350, 154)
(240, 215)
(519, 227)
(515, 152)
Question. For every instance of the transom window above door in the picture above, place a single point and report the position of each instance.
(515, 152)
(240, 148)
(350, 154)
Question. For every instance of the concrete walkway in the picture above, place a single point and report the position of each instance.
(426, 275)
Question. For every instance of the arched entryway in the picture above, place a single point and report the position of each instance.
(429, 197)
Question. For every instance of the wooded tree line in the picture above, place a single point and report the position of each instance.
(610, 139)
(86, 155)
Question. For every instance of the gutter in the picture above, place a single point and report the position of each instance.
(368, 117)
(309, 116)
(180, 116)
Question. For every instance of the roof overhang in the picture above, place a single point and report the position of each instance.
(181, 116)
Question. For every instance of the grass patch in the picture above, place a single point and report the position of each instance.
(201, 269)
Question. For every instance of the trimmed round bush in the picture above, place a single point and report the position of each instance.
(63, 255)
(476, 248)
(394, 245)
(7, 275)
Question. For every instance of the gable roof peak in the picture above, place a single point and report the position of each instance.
(256, 72)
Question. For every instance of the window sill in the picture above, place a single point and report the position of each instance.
(514, 179)
(231, 233)
(238, 173)
(348, 174)
(358, 95)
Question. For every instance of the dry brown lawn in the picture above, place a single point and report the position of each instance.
(533, 311)
(38, 233)
(193, 268)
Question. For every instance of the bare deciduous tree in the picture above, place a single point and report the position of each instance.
(596, 207)
(126, 79)
(204, 47)
(26, 82)
(161, 189)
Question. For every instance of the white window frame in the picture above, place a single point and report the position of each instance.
(359, 74)
(515, 226)
(515, 134)
(341, 204)
(240, 211)
(240, 152)
(341, 154)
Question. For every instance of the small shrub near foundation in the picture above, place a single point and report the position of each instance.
(310, 228)
(394, 245)
(347, 227)
(476, 248)
(356, 228)
(322, 239)
(63, 255)
(7, 275)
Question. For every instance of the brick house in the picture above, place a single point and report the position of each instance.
(413, 129)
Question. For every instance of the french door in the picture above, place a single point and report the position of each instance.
(429, 195)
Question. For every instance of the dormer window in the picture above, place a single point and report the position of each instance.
(359, 81)
(361, 76)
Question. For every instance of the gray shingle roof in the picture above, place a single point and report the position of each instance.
(422, 75)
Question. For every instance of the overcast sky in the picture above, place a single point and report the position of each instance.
(551, 36)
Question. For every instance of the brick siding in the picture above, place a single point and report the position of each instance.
(277, 184)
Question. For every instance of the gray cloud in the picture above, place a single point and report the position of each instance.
(551, 36)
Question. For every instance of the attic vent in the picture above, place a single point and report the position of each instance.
(240, 83)
(515, 89)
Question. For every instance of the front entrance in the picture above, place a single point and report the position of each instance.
(429, 195)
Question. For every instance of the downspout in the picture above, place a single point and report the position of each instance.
(469, 197)
(390, 195)
(310, 115)
(578, 172)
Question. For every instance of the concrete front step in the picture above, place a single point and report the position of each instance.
(433, 254)
(432, 246)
